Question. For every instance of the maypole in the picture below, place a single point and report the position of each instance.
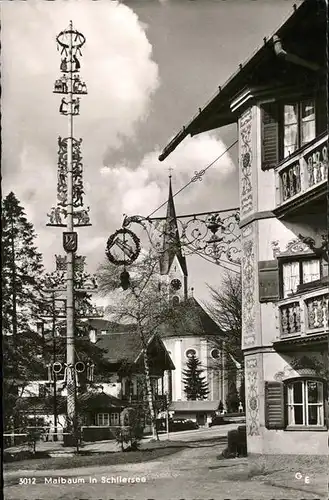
(69, 277)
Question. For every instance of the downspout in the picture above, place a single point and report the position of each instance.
(287, 56)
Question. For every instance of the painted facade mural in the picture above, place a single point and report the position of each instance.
(252, 410)
(245, 136)
(248, 287)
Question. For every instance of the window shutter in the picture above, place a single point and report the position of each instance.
(274, 405)
(268, 276)
(270, 135)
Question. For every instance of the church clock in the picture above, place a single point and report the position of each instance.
(176, 284)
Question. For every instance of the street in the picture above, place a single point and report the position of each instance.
(193, 473)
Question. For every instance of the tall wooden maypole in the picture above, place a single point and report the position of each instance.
(70, 213)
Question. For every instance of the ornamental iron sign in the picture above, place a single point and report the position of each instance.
(123, 247)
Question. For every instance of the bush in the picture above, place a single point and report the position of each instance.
(33, 436)
(236, 443)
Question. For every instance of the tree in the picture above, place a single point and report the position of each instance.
(21, 281)
(130, 430)
(226, 309)
(195, 386)
(144, 303)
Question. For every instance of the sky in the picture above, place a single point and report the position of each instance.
(148, 65)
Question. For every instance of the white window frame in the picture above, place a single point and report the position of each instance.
(300, 120)
(305, 403)
(290, 283)
(114, 419)
(101, 419)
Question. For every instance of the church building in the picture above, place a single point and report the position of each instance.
(195, 333)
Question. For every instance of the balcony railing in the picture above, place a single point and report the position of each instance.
(304, 314)
(303, 170)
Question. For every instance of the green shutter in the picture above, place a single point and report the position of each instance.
(268, 277)
(270, 135)
(274, 405)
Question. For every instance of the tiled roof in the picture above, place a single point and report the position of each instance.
(191, 406)
(36, 404)
(127, 347)
(189, 319)
(120, 346)
(100, 400)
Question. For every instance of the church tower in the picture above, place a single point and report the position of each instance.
(173, 268)
(196, 327)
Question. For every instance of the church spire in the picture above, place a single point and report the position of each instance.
(171, 246)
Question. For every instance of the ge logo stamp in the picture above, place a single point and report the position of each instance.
(300, 476)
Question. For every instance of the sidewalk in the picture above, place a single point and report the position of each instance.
(57, 448)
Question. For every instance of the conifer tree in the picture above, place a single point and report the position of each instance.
(21, 278)
(195, 386)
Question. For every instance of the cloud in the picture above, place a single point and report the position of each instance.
(141, 189)
(117, 66)
(121, 78)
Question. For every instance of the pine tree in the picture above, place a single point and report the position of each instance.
(195, 386)
(21, 278)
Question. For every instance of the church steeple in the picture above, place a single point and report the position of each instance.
(171, 246)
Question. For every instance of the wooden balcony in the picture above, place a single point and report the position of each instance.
(301, 178)
(304, 314)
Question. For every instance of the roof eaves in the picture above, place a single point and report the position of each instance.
(192, 127)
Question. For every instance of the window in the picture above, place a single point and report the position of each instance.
(175, 300)
(287, 126)
(154, 382)
(295, 403)
(103, 419)
(296, 272)
(298, 125)
(114, 418)
(305, 403)
(215, 353)
(190, 352)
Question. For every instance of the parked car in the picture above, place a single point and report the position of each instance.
(182, 424)
(217, 420)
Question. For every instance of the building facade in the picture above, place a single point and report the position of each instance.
(278, 99)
